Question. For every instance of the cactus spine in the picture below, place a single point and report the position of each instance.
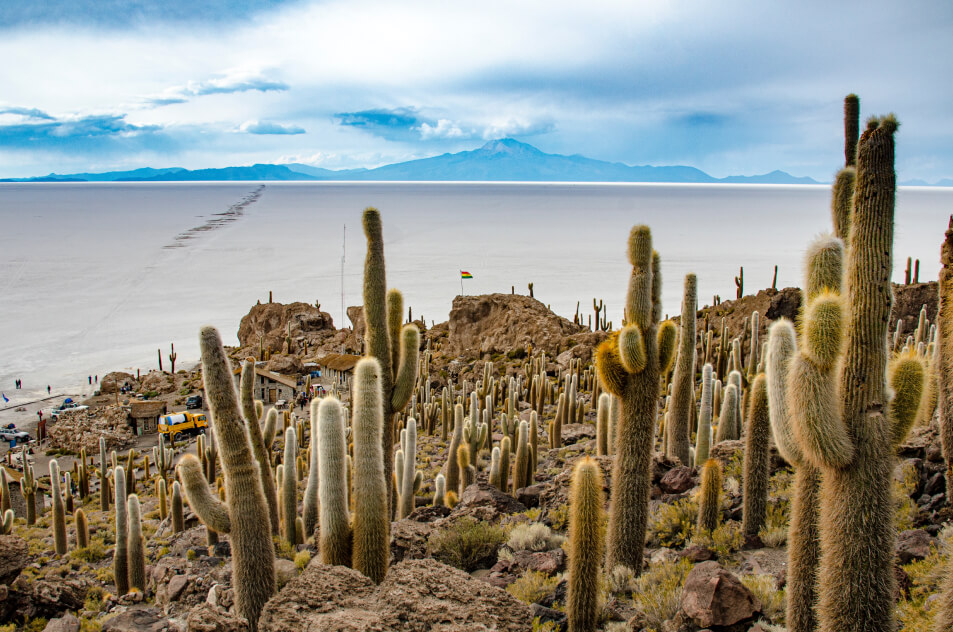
(289, 486)
(371, 514)
(703, 435)
(136, 545)
(82, 529)
(121, 555)
(335, 530)
(629, 365)
(683, 382)
(709, 502)
(309, 505)
(250, 410)
(840, 410)
(757, 460)
(246, 517)
(586, 549)
(59, 510)
(394, 347)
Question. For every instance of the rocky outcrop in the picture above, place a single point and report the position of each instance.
(713, 596)
(74, 431)
(500, 323)
(13, 557)
(157, 381)
(416, 595)
(112, 381)
(268, 323)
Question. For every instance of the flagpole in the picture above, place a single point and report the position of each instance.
(461, 282)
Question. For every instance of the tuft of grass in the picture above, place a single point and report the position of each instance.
(765, 588)
(774, 533)
(723, 541)
(559, 517)
(533, 586)
(302, 559)
(673, 524)
(95, 552)
(533, 536)
(658, 591)
(467, 544)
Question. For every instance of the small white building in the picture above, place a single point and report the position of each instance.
(271, 387)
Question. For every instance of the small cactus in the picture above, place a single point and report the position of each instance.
(136, 545)
(729, 415)
(440, 491)
(586, 517)
(82, 529)
(757, 460)
(178, 519)
(121, 555)
(59, 510)
(335, 529)
(289, 486)
(602, 425)
(703, 435)
(683, 381)
(309, 505)
(709, 502)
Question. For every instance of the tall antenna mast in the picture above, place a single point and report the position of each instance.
(343, 253)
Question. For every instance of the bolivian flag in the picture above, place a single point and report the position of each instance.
(465, 275)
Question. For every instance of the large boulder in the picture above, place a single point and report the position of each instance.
(416, 596)
(157, 381)
(269, 322)
(485, 502)
(500, 323)
(112, 381)
(13, 557)
(713, 596)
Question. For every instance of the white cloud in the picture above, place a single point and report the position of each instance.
(445, 128)
(514, 127)
(268, 127)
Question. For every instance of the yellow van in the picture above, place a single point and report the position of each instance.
(178, 426)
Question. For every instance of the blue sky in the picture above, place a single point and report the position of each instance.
(728, 87)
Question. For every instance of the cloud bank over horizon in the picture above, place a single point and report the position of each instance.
(733, 88)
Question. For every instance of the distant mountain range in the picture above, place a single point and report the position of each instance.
(497, 160)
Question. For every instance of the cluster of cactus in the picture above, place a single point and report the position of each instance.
(630, 363)
(840, 417)
(408, 477)
(395, 347)
(246, 516)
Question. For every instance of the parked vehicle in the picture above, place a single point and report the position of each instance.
(68, 406)
(194, 401)
(12, 435)
(181, 425)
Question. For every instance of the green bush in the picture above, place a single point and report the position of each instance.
(673, 525)
(532, 586)
(467, 544)
(658, 591)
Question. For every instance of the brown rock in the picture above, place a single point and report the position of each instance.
(485, 502)
(269, 323)
(677, 480)
(145, 619)
(67, 623)
(499, 323)
(159, 381)
(176, 585)
(285, 364)
(112, 381)
(549, 562)
(697, 553)
(208, 618)
(74, 431)
(575, 433)
(416, 595)
(913, 544)
(13, 557)
(714, 596)
(409, 540)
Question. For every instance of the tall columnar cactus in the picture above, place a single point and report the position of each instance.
(82, 529)
(136, 547)
(467, 471)
(121, 554)
(586, 502)
(703, 436)
(395, 348)
(683, 381)
(409, 477)
(103, 478)
(709, 501)
(757, 459)
(245, 518)
(256, 440)
(494, 476)
(28, 486)
(161, 494)
(371, 514)
(335, 529)
(523, 472)
(629, 365)
(309, 505)
(841, 414)
(289, 486)
(453, 470)
(505, 451)
(602, 425)
(944, 356)
(59, 510)
(178, 515)
(729, 415)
